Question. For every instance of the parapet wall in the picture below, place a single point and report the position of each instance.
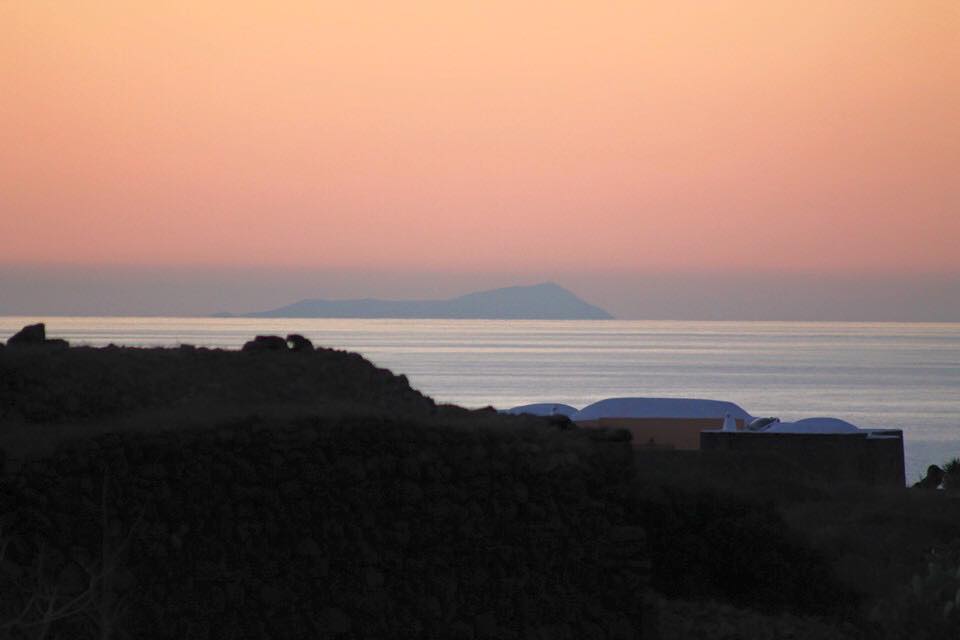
(841, 458)
(350, 528)
(673, 433)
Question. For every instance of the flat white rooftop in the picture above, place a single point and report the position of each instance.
(680, 408)
(812, 425)
(544, 409)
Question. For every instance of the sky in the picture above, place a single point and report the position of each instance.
(660, 158)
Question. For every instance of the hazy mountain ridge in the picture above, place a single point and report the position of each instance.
(546, 301)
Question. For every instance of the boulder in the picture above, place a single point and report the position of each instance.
(299, 343)
(266, 343)
(32, 334)
(35, 335)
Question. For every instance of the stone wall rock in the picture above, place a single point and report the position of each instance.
(298, 343)
(32, 334)
(266, 343)
(35, 335)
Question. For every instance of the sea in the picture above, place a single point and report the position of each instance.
(875, 375)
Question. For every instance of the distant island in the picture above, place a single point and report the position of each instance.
(546, 301)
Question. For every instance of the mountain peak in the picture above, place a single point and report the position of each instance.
(543, 301)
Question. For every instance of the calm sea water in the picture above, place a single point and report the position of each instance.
(872, 374)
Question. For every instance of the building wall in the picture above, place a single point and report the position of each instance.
(843, 458)
(676, 433)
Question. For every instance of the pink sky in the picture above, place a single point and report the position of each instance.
(520, 136)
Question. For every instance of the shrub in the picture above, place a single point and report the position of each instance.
(707, 545)
(951, 475)
(928, 608)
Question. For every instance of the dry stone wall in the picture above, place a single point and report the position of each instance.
(348, 528)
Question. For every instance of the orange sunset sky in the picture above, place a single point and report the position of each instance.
(471, 136)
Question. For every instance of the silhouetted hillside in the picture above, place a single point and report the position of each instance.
(48, 384)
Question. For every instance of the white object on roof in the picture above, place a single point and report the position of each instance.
(544, 409)
(813, 425)
(729, 424)
(683, 408)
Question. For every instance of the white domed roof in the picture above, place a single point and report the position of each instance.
(544, 409)
(661, 408)
(813, 425)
